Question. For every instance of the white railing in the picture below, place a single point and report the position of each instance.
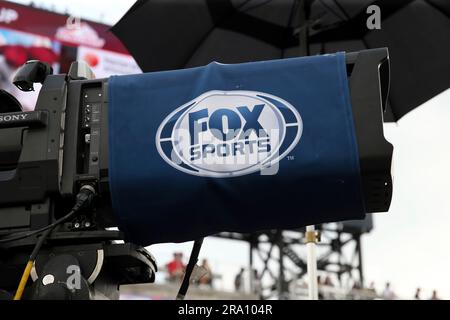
(300, 292)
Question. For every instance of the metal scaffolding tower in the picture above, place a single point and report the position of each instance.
(277, 259)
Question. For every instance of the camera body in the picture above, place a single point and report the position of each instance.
(46, 155)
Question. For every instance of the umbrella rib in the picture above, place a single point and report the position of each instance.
(353, 28)
(242, 17)
(256, 6)
(342, 9)
(444, 12)
(325, 5)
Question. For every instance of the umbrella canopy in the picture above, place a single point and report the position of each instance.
(166, 35)
(417, 34)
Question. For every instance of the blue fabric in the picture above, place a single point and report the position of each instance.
(318, 180)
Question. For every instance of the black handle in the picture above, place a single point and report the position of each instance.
(23, 119)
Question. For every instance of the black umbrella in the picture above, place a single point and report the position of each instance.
(165, 35)
(417, 34)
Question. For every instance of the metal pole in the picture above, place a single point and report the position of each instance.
(360, 261)
(251, 275)
(303, 32)
(281, 277)
(313, 286)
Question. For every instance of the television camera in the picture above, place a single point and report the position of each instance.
(54, 180)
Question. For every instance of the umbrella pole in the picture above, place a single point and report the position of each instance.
(311, 240)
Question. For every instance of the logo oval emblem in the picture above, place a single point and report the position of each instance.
(224, 134)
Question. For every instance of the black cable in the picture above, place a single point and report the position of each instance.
(29, 266)
(39, 244)
(84, 198)
(189, 269)
(37, 232)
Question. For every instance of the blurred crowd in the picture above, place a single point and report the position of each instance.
(250, 282)
(202, 276)
(370, 292)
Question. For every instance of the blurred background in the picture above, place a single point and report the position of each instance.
(403, 255)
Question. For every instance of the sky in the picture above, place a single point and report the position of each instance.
(409, 245)
(105, 11)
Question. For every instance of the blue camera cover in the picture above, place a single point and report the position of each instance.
(238, 148)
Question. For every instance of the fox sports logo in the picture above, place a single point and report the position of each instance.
(225, 134)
